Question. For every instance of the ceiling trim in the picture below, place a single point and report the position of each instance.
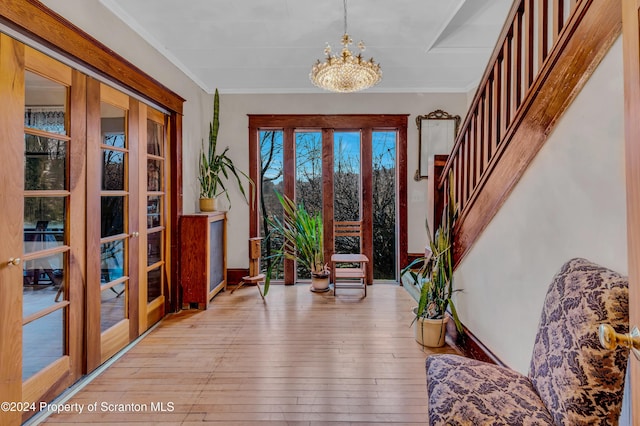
(444, 26)
(288, 91)
(132, 23)
(42, 25)
(463, 50)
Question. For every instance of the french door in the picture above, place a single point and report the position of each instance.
(113, 225)
(128, 282)
(42, 226)
(349, 168)
(83, 225)
(155, 268)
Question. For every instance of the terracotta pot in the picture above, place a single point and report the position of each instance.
(207, 204)
(430, 332)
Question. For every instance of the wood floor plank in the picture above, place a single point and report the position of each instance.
(299, 359)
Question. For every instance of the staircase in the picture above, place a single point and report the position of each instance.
(545, 53)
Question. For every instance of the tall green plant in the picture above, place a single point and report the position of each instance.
(214, 168)
(434, 279)
(302, 236)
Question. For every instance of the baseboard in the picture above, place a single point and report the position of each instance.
(234, 276)
(412, 256)
(470, 346)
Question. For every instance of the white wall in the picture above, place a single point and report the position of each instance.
(569, 203)
(92, 17)
(234, 132)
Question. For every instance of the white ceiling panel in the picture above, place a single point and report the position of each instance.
(269, 46)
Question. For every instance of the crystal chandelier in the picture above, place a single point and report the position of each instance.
(346, 72)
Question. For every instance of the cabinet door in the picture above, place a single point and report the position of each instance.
(217, 267)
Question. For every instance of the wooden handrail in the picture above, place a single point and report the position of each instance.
(510, 71)
(535, 47)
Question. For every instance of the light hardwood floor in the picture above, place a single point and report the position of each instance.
(300, 359)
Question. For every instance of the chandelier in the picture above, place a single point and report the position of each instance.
(345, 72)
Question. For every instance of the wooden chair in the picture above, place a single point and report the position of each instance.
(355, 273)
(347, 229)
(254, 277)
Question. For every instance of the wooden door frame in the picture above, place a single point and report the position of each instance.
(92, 327)
(327, 123)
(12, 184)
(631, 59)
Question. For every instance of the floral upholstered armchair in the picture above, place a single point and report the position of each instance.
(572, 380)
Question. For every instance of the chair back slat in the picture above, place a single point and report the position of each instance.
(347, 229)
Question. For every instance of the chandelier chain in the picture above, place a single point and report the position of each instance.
(345, 16)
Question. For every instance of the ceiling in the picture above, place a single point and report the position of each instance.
(268, 46)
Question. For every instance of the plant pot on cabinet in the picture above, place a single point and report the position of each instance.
(430, 332)
(207, 204)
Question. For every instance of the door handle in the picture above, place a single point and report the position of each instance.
(135, 234)
(13, 261)
(609, 339)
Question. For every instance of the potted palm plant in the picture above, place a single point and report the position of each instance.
(301, 234)
(214, 169)
(433, 281)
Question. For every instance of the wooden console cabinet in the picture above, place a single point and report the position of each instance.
(203, 258)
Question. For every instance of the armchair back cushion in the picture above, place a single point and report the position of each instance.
(579, 381)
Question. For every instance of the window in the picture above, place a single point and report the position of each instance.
(348, 167)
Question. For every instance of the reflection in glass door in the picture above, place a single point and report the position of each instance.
(46, 250)
(117, 179)
(152, 295)
(114, 204)
(51, 282)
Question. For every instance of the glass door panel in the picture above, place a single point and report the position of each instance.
(350, 163)
(115, 198)
(385, 229)
(347, 186)
(45, 163)
(308, 178)
(152, 290)
(45, 301)
(309, 170)
(271, 181)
